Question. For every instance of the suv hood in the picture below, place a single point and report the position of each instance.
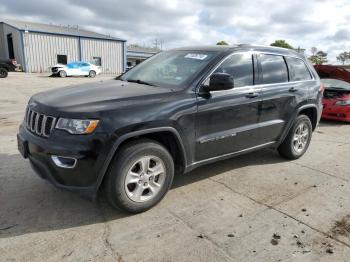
(97, 96)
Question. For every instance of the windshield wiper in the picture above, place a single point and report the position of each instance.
(140, 82)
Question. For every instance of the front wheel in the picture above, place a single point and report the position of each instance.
(92, 73)
(298, 139)
(3, 73)
(62, 73)
(140, 176)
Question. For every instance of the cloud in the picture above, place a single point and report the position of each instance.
(179, 22)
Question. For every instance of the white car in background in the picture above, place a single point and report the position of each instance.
(76, 69)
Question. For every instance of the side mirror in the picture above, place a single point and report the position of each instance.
(220, 81)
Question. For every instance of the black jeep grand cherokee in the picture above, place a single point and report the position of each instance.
(174, 112)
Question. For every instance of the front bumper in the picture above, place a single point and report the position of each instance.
(88, 150)
(335, 112)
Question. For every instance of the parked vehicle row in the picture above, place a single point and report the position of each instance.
(176, 111)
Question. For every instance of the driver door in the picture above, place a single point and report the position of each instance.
(227, 121)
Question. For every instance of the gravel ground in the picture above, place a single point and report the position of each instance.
(256, 207)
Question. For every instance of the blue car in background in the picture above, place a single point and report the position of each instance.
(79, 68)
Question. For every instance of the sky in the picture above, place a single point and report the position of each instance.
(324, 24)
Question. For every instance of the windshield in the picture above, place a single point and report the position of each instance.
(170, 68)
(335, 83)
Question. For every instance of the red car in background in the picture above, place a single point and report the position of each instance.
(336, 96)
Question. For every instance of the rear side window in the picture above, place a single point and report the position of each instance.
(240, 66)
(274, 69)
(298, 71)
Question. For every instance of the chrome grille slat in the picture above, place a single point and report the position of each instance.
(39, 124)
(32, 121)
(43, 126)
(53, 124)
(36, 123)
(27, 117)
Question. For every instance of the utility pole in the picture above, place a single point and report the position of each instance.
(158, 42)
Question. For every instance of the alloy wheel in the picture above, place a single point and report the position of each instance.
(300, 138)
(145, 178)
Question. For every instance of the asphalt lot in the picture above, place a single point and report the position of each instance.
(256, 207)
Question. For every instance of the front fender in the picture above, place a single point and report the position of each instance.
(126, 136)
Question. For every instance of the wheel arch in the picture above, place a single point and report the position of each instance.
(311, 112)
(169, 137)
(5, 66)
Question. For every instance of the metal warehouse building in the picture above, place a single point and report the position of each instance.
(39, 46)
(136, 54)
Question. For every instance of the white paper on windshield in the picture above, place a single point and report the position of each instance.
(196, 56)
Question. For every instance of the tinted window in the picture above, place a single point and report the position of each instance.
(73, 65)
(274, 69)
(297, 69)
(240, 66)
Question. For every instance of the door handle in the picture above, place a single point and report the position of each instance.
(252, 95)
(293, 89)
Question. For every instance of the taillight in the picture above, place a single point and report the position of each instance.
(321, 90)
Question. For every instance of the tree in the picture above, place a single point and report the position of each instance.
(222, 42)
(313, 50)
(319, 58)
(281, 43)
(343, 57)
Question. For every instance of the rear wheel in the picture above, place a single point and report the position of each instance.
(3, 73)
(92, 73)
(298, 139)
(62, 73)
(141, 174)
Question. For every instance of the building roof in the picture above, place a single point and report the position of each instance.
(140, 49)
(58, 29)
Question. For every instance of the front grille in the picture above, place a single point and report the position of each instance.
(39, 124)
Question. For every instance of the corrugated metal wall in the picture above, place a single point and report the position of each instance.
(3, 52)
(111, 53)
(17, 43)
(41, 50)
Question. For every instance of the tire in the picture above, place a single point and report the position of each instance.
(3, 73)
(92, 73)
(298, 139)
(62, 73)
(136, 196)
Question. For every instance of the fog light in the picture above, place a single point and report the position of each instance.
(64, 162)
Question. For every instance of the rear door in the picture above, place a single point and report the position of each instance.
(283, 89)
(84, 68)
(227, 121)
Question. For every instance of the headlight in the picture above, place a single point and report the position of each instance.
(343, 103)
(77, 126)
